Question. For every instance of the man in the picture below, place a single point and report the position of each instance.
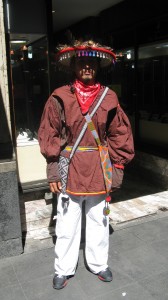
(61, 123)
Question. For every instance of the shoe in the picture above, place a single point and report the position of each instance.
(59, 281)
(105, 275)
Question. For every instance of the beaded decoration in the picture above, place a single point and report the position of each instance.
(85, 49)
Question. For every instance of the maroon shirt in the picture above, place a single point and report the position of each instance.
(85, 172)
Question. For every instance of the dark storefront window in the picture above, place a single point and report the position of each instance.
(143, 93)
(152, 94)
(152, 70)
(123, 81)
(30, 87)
(125, 74)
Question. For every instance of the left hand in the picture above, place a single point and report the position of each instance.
(55, 187)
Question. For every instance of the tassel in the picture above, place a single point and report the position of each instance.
(107, 209)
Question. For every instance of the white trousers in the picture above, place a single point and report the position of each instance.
(68, 232)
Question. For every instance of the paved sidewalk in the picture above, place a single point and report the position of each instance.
(138, 198)
(138, 258)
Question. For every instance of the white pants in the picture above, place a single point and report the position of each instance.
(68, 232)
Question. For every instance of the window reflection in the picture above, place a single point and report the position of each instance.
(30, 88)
(152, 81)
(125, 78)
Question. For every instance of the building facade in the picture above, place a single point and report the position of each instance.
(10, 224)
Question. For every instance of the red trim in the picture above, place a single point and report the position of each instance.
(119, 166)
(86, 48)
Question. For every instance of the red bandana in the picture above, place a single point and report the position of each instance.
(86, 94)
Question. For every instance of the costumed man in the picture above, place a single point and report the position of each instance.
(88, 115)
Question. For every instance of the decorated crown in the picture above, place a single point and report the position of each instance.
(85, 49)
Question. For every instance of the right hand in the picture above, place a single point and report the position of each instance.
(55, 187)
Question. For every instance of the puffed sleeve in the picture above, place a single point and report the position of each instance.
(120, 144)
(49, 138)
(120, 139)
(49, 131)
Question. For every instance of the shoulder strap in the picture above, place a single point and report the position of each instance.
(99, 102)
(92, 128)
(86, 124)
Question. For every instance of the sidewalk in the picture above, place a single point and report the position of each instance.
(138, 198)
(138, 254)
(138, 257)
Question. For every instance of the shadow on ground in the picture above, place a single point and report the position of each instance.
(136, 184)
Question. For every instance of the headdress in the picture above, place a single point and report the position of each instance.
(85, 49)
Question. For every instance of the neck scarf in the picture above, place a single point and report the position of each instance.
(86, 94)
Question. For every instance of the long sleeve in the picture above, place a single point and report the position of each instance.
(49, 131)
(49, 138)
(120, 139)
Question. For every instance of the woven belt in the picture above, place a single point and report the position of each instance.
(81, 148)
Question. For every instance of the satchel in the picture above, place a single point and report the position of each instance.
(63, 167)
(104, 155)
(64, 162)
(106, 166)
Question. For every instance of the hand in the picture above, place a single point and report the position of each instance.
(55, 187)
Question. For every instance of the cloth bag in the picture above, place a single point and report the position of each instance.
(63, 167)
(106, 167)
(64, 162)
(104, 155)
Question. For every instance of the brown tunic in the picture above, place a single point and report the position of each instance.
(85, 173)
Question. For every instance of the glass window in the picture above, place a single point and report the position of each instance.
(30, 88)
(152, 94)
(152, 77)
(124, 77)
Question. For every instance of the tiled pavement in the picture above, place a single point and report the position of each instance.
(136, 199)
(138, 254)
(138, 257)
